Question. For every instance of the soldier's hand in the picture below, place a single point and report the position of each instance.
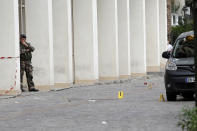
(31, 48)
(25, 44)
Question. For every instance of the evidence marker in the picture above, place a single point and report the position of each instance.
(120, 95)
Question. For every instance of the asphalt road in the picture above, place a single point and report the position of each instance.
(94, 108)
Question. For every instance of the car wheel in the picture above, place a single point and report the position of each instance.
(171, 96)
(188, 95)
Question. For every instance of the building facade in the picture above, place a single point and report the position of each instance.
(177, 11)
(82, 41)
(169, 4)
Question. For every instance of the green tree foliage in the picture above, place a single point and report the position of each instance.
(188, 119)
(177, 30)
(185, 25)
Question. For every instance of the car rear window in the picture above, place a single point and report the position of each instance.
(183, 48)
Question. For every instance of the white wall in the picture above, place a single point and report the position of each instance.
(85, 40)
(152, 33)
(120, 43)
(40, 34)
(63, 72)
(124, 37)
(108, 38)
(9, 37)
(163, 28)
(138, 36)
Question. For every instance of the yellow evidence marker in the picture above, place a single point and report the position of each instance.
(120, 95)
(161, 98)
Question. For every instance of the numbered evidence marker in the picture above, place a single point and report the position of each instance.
(120, 94)
(161, 98)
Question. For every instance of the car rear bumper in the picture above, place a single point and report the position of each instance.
(175, 81)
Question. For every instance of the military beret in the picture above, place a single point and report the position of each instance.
(23, 36)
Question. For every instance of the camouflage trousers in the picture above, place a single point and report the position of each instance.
(28, 69)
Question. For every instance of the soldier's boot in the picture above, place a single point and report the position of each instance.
(31, 86)
(22, 88)
(33, 89)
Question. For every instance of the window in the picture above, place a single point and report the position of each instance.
(184, 48)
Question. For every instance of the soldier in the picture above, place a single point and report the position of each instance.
(25, 62)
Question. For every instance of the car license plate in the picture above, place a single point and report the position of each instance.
(190, 80)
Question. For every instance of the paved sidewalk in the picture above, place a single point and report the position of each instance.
(94, 108)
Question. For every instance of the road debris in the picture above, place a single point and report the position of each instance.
(104, 122)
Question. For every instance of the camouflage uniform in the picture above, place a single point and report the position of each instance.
(25, 62)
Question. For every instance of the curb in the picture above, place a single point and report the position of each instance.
(120, 81)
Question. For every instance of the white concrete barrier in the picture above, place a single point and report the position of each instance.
(163, 34)
(138, 37)
(152, 33)
(9, 47)
(39, 28)
(108, 39)
(85, 40)
(100, 39)
(124, 38)
(62, 30)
